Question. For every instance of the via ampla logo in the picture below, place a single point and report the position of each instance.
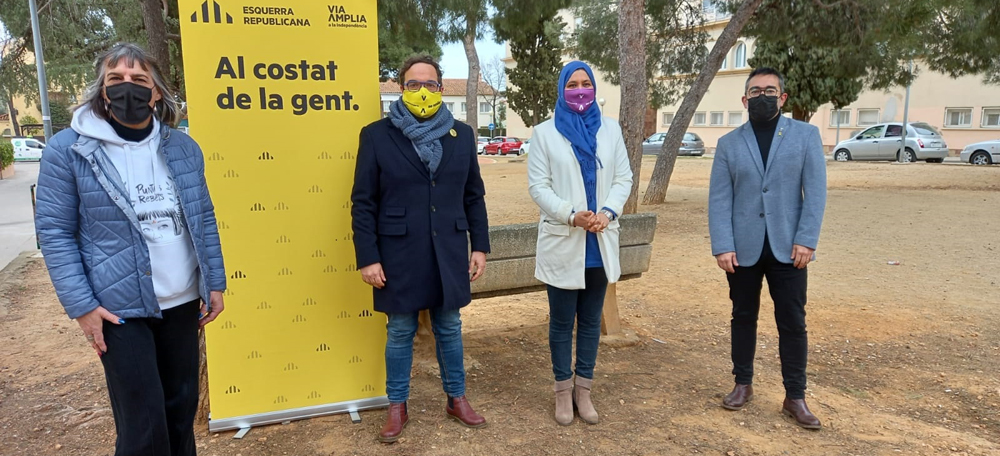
(341, 17)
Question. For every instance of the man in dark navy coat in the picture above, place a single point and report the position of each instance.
(418, 202)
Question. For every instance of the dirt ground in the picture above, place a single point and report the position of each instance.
(903, 359)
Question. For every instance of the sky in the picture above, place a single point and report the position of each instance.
(453, 61)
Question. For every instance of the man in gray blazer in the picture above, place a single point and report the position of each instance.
(766, 201)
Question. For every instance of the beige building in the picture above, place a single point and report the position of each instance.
(965, 109)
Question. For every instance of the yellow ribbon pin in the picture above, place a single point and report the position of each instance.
(454, 134)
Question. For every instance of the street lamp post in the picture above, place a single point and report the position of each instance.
(43, 87)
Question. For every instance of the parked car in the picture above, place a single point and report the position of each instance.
(481, 142)
(982, 153)
(503, 145)
(26, 149)
(882, 142)
(525, 145)
(690, 145)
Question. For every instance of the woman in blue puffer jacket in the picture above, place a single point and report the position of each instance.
(128, 231)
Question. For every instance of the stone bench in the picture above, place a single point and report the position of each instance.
(510, 266)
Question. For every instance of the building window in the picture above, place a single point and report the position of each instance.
(725, 62)
(717, 119)
(668, 118)
(464, 106)
(386, 105)
(450, 106)
(991, 117)
(958, 117)
(484, 108)
(735, 118)
(845, 117)
(699, 118)
(741, 55)
(867, 117)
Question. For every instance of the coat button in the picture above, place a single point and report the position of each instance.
(149, 273)
(435, 233)
(433, 209)
(765, 189)
(761, 215)
(433, 183)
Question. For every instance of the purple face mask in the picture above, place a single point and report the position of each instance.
(579, 99)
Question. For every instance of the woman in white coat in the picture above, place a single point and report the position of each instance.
(579, 175)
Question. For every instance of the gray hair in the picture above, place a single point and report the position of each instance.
(167, 109)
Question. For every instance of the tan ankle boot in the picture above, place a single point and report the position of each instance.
(564, 402)
(581, 397)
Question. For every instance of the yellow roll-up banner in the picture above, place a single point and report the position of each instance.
(276, 98)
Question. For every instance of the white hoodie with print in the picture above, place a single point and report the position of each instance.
(145, 175)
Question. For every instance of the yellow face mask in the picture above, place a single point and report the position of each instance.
(423, 103)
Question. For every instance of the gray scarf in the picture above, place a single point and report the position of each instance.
(425, 135)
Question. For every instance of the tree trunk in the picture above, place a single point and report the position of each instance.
(632, 62)
(801, 114)
(472, 84)
(664, 168)
(201, 418)
(156, 33)
(13, 116)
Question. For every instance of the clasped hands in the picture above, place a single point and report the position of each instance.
(588, 220)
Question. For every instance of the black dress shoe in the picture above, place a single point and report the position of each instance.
(739, 397)
(798, 410)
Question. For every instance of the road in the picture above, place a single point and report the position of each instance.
(17, 226)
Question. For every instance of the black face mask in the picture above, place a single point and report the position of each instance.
(130, 102)
(762, 108)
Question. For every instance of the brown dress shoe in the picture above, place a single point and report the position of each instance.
(797, 409)
(739, 397)
(395, 421)
(460, 410)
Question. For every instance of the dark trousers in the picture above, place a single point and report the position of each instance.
(788, 290)
(152, 371)
(582, 307)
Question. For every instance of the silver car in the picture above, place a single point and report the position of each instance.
(982, 153)
(882, 141)
(691, 145)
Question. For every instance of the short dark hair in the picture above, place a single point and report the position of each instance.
(766, 71)
(424, 58)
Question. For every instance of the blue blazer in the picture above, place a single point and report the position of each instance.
(418, 226)
(787, 200)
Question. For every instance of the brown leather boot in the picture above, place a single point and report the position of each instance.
(564, 402)
(797, 409)
(581, 397)
(395, 422)
(460, 410)
(739, 397)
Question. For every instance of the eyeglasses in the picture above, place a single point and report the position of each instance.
(755, 92)
(414, 86)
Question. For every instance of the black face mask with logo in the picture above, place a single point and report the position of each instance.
(129, 102)
(762, 108)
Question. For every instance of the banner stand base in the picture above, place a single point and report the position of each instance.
(243, 423)
(242, 433)
(355, 417)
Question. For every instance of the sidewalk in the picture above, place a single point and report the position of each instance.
(17, 226)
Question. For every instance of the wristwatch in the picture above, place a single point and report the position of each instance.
(610, 215)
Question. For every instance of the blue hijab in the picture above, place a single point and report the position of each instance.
(580, 128)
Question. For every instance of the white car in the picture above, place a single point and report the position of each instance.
(481, 142)
(982, 153)
(27, 149)
(525, 145)
(883, 141)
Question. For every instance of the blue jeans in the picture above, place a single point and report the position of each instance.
(447, 327)
(582, 307)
